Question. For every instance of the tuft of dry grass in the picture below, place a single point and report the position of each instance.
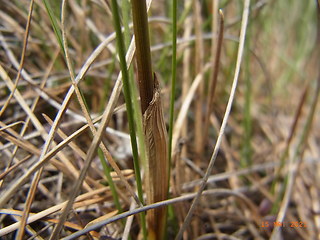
(59, 106)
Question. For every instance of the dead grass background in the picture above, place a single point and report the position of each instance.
(281, 61)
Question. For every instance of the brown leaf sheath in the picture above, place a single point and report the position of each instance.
(157, 169)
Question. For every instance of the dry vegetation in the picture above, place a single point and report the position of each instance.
(266, 170)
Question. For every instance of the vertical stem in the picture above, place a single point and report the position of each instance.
(156, 172)
(247, 121)
(214, 78)
(199, 55)
(127, 95)
(107, 173)
(224, 121)
(143, 54)
(174, 73)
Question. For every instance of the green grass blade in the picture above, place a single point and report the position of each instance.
(107, 170)
(133, 88)
(128, 100)
(174, 75)
(54, 23)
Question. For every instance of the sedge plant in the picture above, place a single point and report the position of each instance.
(157, 165)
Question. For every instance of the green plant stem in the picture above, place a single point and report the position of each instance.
(54, 23)
(107, 171)
(127, 95)
(173, 83)
(174, 76)
(143, 54)
(125, 6)
(133, 89)
(172, 95)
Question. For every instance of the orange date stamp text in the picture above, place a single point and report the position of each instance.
(291, 224)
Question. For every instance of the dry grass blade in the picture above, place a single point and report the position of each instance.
(199, 100)
(110, 107)
(22, 102)
(213, 81)
(126, 231)
(186, 197)
(20, 142)
(25, 41)
(61, 99)
(27, 76)
(297, 158)
(102, 218)
(49, 156)
(39, 127)
(157, 169)
(80, 201)
(4, 126)
(29, 200)
(78, 151)
(294, 163)
(38, 175)
(33, 107)
(92, 150)
(225, 119)
(14, 138)
(97, 138)
(186, 104)
(62, 108)
(12, 168)
(186, 68)
(293, 129)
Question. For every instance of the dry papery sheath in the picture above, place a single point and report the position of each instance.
(157, 167)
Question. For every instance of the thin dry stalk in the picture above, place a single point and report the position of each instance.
(95, 142)
(296, 160)
(14, 167)
(30, 114)
(186, 104)
(65, 167)
(4, 75)
(26, 211)
(62, 109)
(37, 177)
(23, 52)
(229, 154)
(179, 125)
(49, 156)
(214, 29)
(26, 76)
(91, 152)
(78, 151)
(214, 79)
(113, 99)
(224, 121)
(182, 171)
(127, 228)
(80, 201)
(185, 83)
(189, 196)
(293, 129)
(199, 58)
(33, 107)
